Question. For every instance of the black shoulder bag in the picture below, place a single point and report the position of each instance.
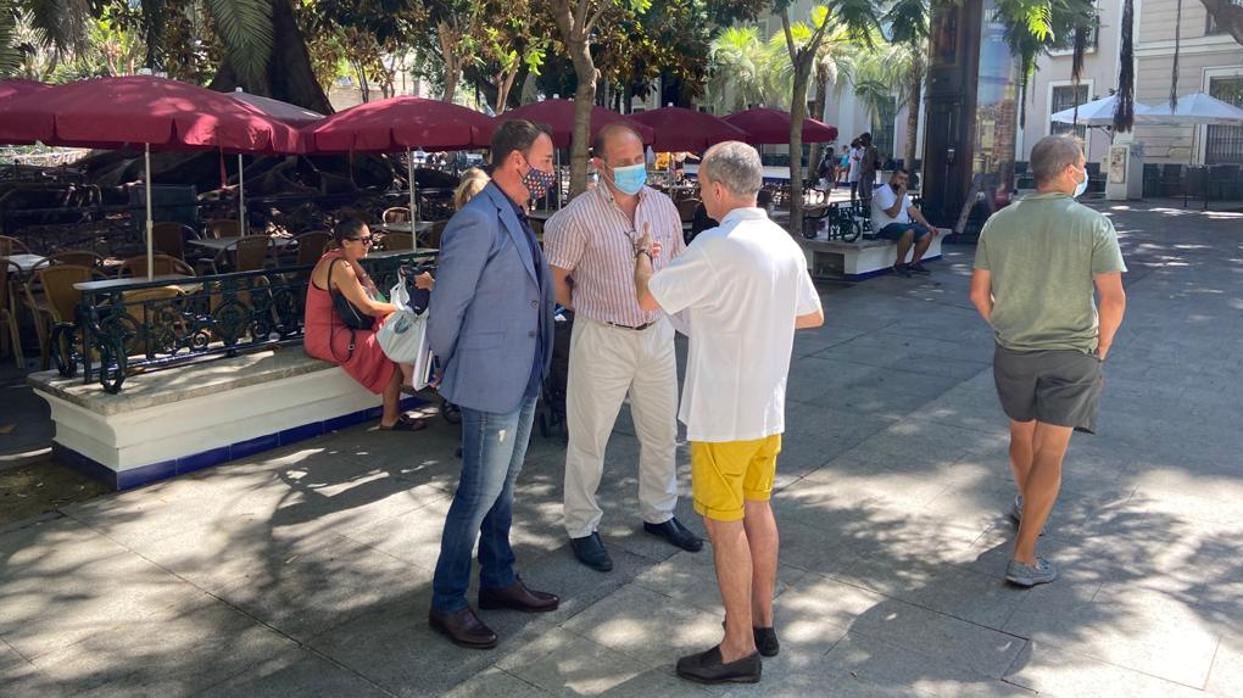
(348, 313)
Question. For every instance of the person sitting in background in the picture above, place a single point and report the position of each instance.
(339, 275)
(473, 182)
(892, 212)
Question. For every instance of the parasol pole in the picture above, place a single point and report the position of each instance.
(414, 210)
(150, 225)
(241, 197)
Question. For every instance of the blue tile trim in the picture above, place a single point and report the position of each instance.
(134, 477)
(250, 447)
(203, 459)
(88, 467)
(880, 272)
(154, 472)
(302, 433)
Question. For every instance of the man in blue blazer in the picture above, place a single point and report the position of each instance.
(491, 326)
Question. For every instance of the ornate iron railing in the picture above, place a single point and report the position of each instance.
(123, 327)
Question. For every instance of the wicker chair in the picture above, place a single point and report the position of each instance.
(436, 233)
(135, 308)
(250, 253)
(11, 245)
(162, 265)
(398, 241)
(311, 246)
(57, 303)
(9, 271)
(222, 228)
(170, 238)
(396, 214)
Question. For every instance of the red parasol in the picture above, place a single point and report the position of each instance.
(766, 126)
(164, 114)
(558, 114)
(148, 111)
(291, 114)
(401, 123)
(17, 88)
(678, 129)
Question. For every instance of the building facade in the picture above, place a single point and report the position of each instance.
(1210, 61)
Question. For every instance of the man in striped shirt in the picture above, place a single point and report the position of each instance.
(616, 347)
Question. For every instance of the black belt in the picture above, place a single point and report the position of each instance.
(640, 328)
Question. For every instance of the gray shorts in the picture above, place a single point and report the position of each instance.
(1061, 387)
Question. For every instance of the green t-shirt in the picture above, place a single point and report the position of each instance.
(1042, 253)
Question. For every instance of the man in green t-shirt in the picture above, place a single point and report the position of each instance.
(1036, 266)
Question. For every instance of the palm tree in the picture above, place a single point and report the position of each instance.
(739, 64)
(908, 28)
(835, 67)
(803, 42)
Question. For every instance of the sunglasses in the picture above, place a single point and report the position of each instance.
(367, 240)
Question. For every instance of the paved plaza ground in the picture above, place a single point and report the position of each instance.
(307, 571)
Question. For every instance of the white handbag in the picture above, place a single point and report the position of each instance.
(403, 337)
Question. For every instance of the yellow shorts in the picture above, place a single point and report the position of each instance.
(723, 474)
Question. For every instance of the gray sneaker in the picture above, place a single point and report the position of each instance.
(1016, 509)
(1022, 575)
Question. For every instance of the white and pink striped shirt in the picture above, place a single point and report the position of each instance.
(594, 240)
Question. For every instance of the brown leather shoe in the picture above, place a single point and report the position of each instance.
(518, 597)
(464, 628)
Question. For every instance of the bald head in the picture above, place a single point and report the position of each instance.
(617, 138)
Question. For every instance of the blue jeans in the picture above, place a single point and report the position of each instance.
(493, 448)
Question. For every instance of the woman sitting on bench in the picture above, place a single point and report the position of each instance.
(343, 315)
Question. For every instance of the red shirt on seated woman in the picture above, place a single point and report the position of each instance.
(328, 338)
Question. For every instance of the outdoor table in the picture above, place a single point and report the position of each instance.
(110, 284)
(421, 252)
(541, 215)
(404, 227)
(25, 262)
(221, 244)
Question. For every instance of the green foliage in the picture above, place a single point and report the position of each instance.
(10, 53)
(245, 28)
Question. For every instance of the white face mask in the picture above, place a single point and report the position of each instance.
(1082, 186)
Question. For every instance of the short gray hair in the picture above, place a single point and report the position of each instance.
(736, 166)
(1053, 154)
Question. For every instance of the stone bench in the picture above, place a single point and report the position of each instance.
(179, 420)
(858, 260)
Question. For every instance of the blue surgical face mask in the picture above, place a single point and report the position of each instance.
(630, 179)
(1083, 185)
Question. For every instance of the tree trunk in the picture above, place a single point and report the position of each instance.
(822, 113)
(448, 38)
(1229, 16)
(574, 36)
(798, 112)
(584, 99)
(504, 84)
(914, 96)
(289, 76)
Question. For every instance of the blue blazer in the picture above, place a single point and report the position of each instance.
(486, 307)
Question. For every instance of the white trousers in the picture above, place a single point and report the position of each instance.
(606, 363)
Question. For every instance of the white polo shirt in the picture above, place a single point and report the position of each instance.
(884, 198)
(742, 284)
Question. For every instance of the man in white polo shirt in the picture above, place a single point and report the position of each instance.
(745, 289)
(892, 212)
(616, 348)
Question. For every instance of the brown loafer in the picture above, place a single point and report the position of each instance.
(464, 628)
(518, 597)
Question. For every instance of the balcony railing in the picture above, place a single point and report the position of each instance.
(127, 326)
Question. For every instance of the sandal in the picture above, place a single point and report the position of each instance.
(405, 423)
